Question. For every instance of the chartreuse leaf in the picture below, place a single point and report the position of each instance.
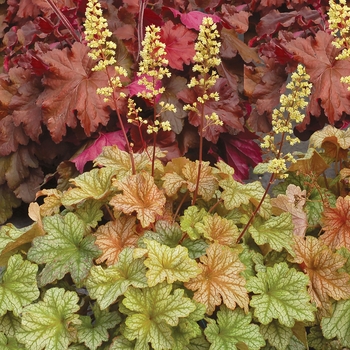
(50, 323)
(64, 249)
(338, 325)
(231, 327)
(92, 334)
(90, 212)
(282, 295)
(106, 285)
(188, 221)
(188, 328)
(153, 313)
(172, 264)
(278, 335)
(97, 184)
(9, 343)
(220, 280)
(277, 231)
(18, 286)
(235, 194)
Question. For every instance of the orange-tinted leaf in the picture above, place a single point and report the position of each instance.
(336, 224)
(208, 183)
(318, 56)
(218, 229)
(113, 237)
(140, 194)
(322, 265)
(220, 280)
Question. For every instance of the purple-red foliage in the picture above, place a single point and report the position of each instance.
(47, 88)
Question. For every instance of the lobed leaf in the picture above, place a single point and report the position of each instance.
(220, 280)
(322, 266)
(18, 286)
(218, 229)
(232, 327)
(338, 325)
(50, 323)
(64, 249)
(106, 285)
(235, 194)
(154, 311)
(114, 236)
(336, 224)
(277, 334)
(276, 231)
(192, 216)
(171, 264)
(280, 293)
(140, 194)
(92, 334)
(94, 184)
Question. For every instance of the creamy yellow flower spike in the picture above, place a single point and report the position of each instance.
(291, 105)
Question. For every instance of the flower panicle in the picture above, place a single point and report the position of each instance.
(102, 49)
(292, 105)
(206, 60)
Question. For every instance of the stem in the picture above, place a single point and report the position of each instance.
(180, 205)
(256, 209)
(200, 157)
(63, 19)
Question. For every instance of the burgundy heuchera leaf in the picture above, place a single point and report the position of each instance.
(70, 93)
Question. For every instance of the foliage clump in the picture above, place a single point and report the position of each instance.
(142, 247)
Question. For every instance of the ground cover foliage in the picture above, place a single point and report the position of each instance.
(130, 127)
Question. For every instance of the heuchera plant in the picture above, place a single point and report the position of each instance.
(148, 248)
(47, 75)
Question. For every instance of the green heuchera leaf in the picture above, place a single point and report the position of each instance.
(199, 343)
(51, 323)
(165, 233)
(64, 249)
(278, 335)
(276, 231)
(317, 341)
(192, 215)
(338, 325)
(282, 295)
(9, 343)
(93, 334)
(236, 194)
(9, 324)
(233, 327)
(18, 285)
(195, 248)
(106, 285)
(96, 183)
(172, 264)
(188, 328)
(121, 343)
(153, 313)
(90, 212)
